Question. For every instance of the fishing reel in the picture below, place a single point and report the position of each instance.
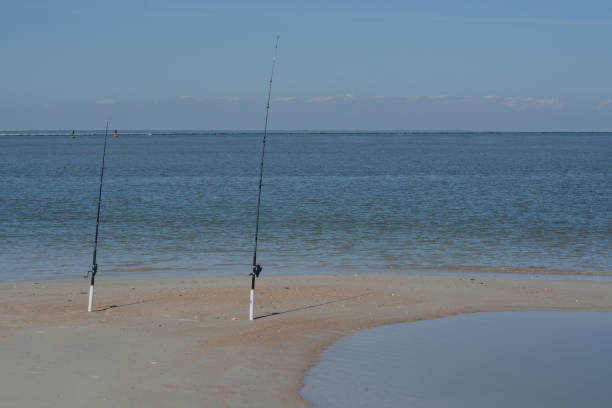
(92, 271)
(256, 270)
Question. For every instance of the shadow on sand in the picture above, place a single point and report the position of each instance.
(102, 309)
(309, 306)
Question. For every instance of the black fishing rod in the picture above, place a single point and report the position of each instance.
(94, 265)
(256, 267)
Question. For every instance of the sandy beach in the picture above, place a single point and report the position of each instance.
(187, 342)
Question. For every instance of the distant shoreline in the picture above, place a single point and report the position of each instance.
(145, 272)
(296, 132)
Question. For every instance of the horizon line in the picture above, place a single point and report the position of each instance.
(170, 132)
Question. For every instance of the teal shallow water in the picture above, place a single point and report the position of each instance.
(185, 204)
(512, 359)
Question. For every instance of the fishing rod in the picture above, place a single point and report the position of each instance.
(257, 267)
(94, 265)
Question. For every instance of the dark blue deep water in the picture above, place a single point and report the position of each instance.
(503, 360)
(185, 204)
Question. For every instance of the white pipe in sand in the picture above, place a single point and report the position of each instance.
(251, 304)
(91, 293)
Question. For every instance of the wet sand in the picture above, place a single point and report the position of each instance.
(187, 342)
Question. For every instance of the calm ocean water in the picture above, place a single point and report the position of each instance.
(185, 204)
(505, 360)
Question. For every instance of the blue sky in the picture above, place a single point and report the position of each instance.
(480, 65)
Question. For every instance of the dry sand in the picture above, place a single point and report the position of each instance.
(188, 342)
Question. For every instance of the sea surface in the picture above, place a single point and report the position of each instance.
(504, 360)
(184, 204)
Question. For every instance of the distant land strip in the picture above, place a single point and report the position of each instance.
(293, 132)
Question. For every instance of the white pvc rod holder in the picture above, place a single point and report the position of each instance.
(251, 304)
(91, 294)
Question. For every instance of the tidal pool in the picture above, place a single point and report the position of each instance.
(509, 359)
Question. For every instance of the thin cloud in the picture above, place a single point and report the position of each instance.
(283, 99)
(106, 102)
(320, 99)
(452, 100)
(425, 98)
(530, 103)
(513, 102)
(185, 98)
(324, 99)
(392, 98)
(605, 105)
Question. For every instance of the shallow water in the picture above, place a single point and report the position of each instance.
(185, 204)
(510, 359)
